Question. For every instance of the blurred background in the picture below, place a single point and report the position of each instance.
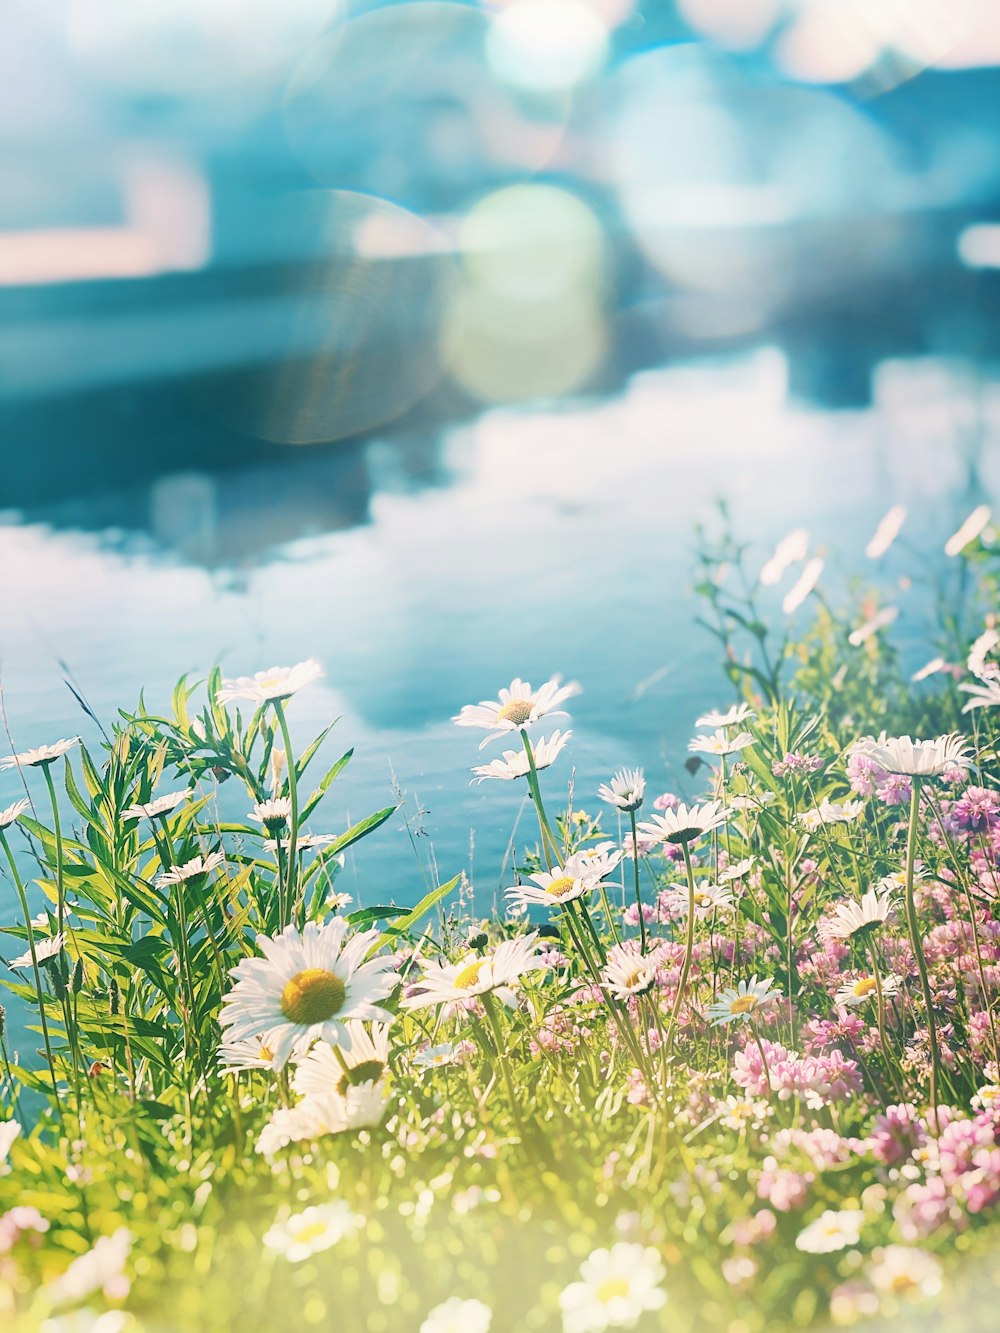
(417, 337)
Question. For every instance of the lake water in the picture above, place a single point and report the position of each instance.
(425, 573)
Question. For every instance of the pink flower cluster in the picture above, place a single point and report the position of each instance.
(819, 1080)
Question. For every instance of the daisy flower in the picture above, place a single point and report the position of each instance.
(626, 789)
(449, 984)
(684, 824)
(517, 707)
(365, 1054)
(741, 1002)
(751, 800)
(302, 843)
(39, 757)
(577, 877)
(982, 661)
(102, 1269)
(916, 758)
(248, 1053)
(857, 918)
(853, 994)
(628, 974)
(273, 813)
(514, 763)
(268, 686)
(982, 696)
(708, 898)
(314, 1229)
(731, 718)
(12, 814)
(737, 870)
(9, 1130)
(616, 1288)
(740, 1112)
(830, 812)
(598, 860)
(457, 1316)
(198, 865)
(886, 532)
(433, 1057)
(903, 1270)
(832, 1230)
(159, 805)
(305, 988)
(44, 950)
(315, 1116)
(720, 743)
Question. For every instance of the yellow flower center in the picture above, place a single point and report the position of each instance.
(310, 1231)
(469, 975)
(702, 899)
(517, 711)
(559, 888)
(864, 987)
(743, 1004)
(611, 1289)
(313, 996)
(900, 1282)
(365, 1072)
(637, 977)
(265, 1053)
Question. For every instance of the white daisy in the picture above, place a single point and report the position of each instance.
(720, 743)
(902, 1270)
(275, 683)
(365, 1053)
(320, 1114)
(741, 1002)
(159, 805)
(982, 696)
(598, 860)
(13, 813)
(886, 532)
(731, 718)
(853, 994)
(306, 987)
(44, 950)
(737, 870)
(685, 823)
(708, 898)
(628, 974)
(626, 789)
(616, 1288)
(830, 812)
(517, 707)
(788, 552)
(198, 865)
(578, 877)
(9, 1130)
(273, 813)
(514, 763)
(449, 984)
(303, 842)
(982, 661)
(916, 758)
(856, 918)
(314, 1229)
(832, 1230)
(968, 532)
(457, 1316)
(752, 800)
(245, 1054)
(740, 1112)
(102, 1269)
(433, 1057)
(42, 755)
(806, 583)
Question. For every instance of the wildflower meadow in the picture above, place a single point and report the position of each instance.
(721, 1058)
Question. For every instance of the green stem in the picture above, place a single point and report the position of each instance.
(914, 929)
(549, 844)
(688, 943)
(293, 833)
(57, 829)
(489, 1005)
(638, 891)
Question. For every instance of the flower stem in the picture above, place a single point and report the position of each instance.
(57, 829)
(293, 832)
(550, 848)
(638, 891)
(914, 929)
(688, 943)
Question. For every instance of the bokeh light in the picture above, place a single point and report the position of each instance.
(547, 45)
(738, 24)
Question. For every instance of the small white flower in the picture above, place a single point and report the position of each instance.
(434, 1057)
(684, 824)
(336, 901)
(832, 1230)
(880, 620)
(616, 1288)
(968, 532)
(806, 583)
(886, 532)
(901, 1270)
(247, 1053)
(303, 842)
(929, 669)
(102, 1269)
(273, 813)
(731, 718)
(514, 763)
(987, 1098)
(626, 789)
(267, 686)
(314, 1229)
(982, 661)
(42, 755)
(159, 805)
(982, 696)
(630, 973)
(9, 1130)
(449, 984)
(830, 812)
(563, 884)
(853, 994)
(737, 871)
(13, 813)
(788, 552)
(854, 918)
(720, 743)
(320, 1114)
(708, 898)
(44, 950)
(916, 758)
(305, 988)
(752, 800)
(365, 1053)
(198, 865)
(741, 1002)
(458, 1316)
(517, 707)
(740, 1112)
